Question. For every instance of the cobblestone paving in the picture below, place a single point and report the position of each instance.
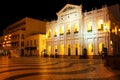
(36, 68)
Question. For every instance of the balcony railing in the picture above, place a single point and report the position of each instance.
(89, 30)
(61, 34)
(68, 33)
(49, 36)
(76, 32)
(55, 35)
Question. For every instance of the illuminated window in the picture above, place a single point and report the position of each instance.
(62, 49)
(9, 37)
(49, 50)
(76, 28)
(61, 30)
(49, 33)
(116, 30)
(101, 45)
(55, 32)
(100, 24)
(68, 28)
(90, 49)
(105, 28)
(5, 38)
(56, 49)
(119, 30)
(89, 27)
(113, 31)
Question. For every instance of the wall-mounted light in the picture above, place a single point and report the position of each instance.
(118, 29)
(111, 43)
(105, 28)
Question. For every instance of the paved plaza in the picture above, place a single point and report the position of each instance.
(36, 68)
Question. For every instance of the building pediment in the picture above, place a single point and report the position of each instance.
(67, 7)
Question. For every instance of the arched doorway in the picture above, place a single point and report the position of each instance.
(49, 50)
(101, 46)
(76, 49)
(62, 49)
(90, 49)
(69, 51)
(55, 50)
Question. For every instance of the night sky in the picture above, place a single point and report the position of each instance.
(11, 12)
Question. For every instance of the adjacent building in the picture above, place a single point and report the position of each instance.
(14, 35)
(35, 45)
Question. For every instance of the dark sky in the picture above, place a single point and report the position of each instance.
(12, 11)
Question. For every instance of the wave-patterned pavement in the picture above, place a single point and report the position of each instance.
(36, 68)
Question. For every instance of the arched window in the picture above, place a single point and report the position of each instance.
(55, 32)
(61, 30)
(49, 33)
(68, 28)
(76, 28)
(100, 24)
(89, 26)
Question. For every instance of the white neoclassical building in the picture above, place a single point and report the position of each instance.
(75, 30)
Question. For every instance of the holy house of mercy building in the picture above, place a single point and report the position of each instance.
(75, 30)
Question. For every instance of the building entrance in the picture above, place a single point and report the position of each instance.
(69, 52)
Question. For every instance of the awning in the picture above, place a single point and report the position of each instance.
(31, 48)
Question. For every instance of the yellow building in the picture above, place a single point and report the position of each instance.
(14, 35)
(75, 30)
(35, 44)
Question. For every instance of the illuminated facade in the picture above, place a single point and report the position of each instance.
(75, 30)
(14, 35)
(35, 44)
